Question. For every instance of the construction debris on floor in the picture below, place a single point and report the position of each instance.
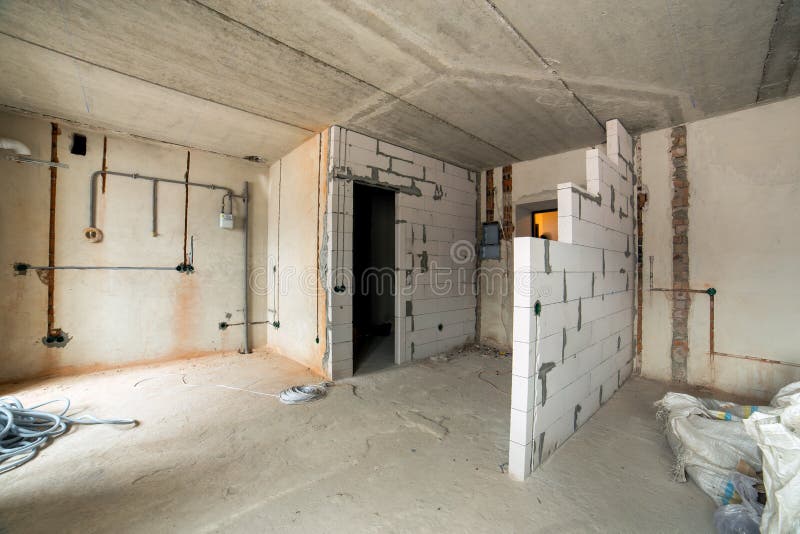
(746, 458)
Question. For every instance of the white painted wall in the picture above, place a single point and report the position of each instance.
(744, 173)
(289, 271)
(118, 318)
(435, 219)
(573, 308)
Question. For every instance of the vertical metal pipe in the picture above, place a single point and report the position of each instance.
(246, 223)
(155, 208)
(711, 324)
(186, 209)
(51, 252)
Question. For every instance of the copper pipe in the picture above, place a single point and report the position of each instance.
(679, 290)
(51, 252)
(711, 323)
(755, 359)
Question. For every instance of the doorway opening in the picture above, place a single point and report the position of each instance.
(374, 277)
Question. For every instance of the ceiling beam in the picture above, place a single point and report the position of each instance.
(780, 62)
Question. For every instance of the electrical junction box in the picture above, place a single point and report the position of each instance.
(226, 221)
(490, 241)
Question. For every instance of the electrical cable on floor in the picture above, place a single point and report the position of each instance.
(27, 430)
(292, 395)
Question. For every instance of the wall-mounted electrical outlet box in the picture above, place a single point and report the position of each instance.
(226, 221)
(490, 241)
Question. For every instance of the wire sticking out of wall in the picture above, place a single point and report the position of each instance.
(25, 431)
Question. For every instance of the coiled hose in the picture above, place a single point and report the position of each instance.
(26, 430)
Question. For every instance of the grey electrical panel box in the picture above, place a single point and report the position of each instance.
(490, 242)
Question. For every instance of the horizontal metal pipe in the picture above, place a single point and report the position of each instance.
(248, 322)
(134, 176)
(679, 290)
(95, 268)
(755, 359)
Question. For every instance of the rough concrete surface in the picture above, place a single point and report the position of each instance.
(477, 82)
(413, 448)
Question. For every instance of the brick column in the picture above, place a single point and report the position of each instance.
(680, 254)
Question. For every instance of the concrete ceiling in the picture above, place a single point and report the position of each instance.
(476, 82)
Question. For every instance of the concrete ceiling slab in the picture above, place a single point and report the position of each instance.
(38, 79)
(480, 83)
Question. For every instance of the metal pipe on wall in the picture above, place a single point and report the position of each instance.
(134, 176)
(711, 292)
(246, 223)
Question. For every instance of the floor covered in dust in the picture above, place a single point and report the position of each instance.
(413, 448)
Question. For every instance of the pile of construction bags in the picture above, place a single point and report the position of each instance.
(746, 458)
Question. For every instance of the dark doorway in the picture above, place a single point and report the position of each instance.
(374, 270)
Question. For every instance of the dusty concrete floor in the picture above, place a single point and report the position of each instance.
(414, 448)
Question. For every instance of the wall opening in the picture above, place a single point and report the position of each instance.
(545, 224)
(374, 275)
(544, 213)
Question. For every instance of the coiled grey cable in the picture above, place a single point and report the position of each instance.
(26, 430)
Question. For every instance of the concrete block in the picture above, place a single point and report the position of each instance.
(589, 358)
(337, 222)
(356, 139)
(519, 460)
(400, 166)
(342, 351)
(521, 426)
(523, 391)
(458, 172)
(523, 359)
(341, 333)
(549, 348)
(578, 285)
(555, 317)
(366, 157)
(423, 337)
(567, 201)
(524, 328)
(556, 379)
(593, 171)
(555, 435)
(557, 256)
(395, 180)
(340, 314)
(577, 340)
(619, 143)
(523, 254)
(395, 151)
(565, 228)
(342, 369)
(562, 402)
(421, 352)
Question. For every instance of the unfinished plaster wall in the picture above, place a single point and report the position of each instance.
(434, 247)
(116, 318)
(534, 182)
(294, 305)
(573, 308)
(744, 188)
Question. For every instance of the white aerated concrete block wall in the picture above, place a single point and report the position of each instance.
(435, 234)
(573, 308)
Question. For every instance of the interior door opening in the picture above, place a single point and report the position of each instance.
(374, 278)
